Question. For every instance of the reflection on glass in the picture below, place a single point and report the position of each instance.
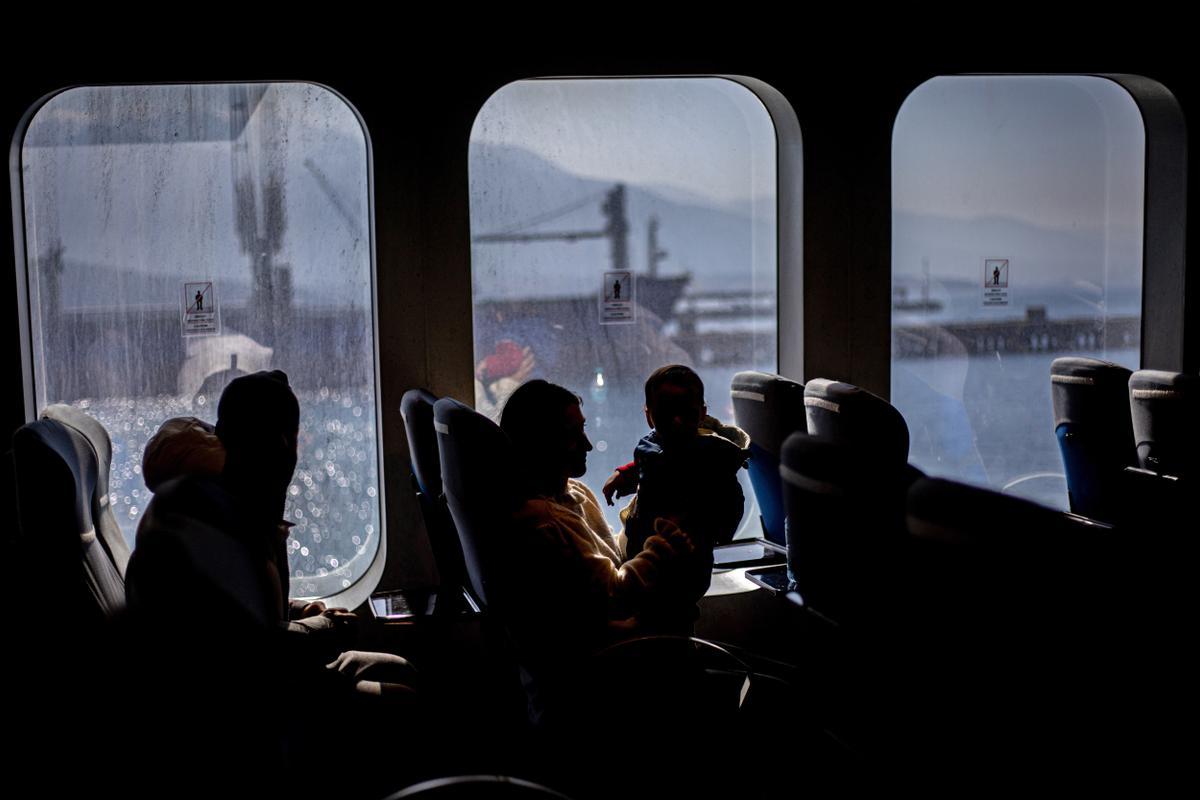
(179, 236)
(619, 225)
(1016, 238)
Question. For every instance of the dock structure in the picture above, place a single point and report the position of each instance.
(1033, 334)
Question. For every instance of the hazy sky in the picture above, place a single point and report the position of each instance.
(1063, 152)
(141, 179)
(707, 137)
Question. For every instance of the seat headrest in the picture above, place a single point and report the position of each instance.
(416, 408)
(97, 437)
(845, 414)
(62, 511)
(474, 451)
(89, 429)
(64, 466)
(1088, 390)
(768, 407)
(1157, 384)
(1166, 420)
(479, 478)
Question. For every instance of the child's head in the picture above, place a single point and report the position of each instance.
(675, 401)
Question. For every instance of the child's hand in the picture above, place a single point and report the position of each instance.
(314, 609)
(340, 616)
(675, 536)
(620, 483)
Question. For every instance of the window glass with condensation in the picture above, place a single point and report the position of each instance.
(179, 236)
(1017, 225)
(619, 225)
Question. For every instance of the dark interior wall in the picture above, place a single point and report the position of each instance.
(419, 98)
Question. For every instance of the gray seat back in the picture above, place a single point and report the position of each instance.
(479, 483)
(1094, 432)
(769, 408)
(843, 413)
(62, 466)
(1166, 421)
(416, 408)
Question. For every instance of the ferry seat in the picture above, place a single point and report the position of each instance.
(416, 408)
(62, 466)
(1005, 549)
(1166, 421)
(769, 408)
(477, 464)
(845, 414)
(1022, 597)
(851, 499)
(1095, 432)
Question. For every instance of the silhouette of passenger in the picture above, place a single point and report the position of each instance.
(208, 585)
(199, 301)
(248, 458)
(565, 589)
(686, 470)
(995, 276)
(238, 512)
(616, 290)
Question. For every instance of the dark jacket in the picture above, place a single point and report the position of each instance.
(694, 482)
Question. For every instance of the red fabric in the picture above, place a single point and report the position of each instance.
(504, 361)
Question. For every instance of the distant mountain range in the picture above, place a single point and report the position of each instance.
(722, 244)
(717, 242)
(95, 286)
(1038, 256)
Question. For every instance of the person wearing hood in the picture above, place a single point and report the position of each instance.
(208, 587)
(246, 474)
(187, 446)
(685, 470)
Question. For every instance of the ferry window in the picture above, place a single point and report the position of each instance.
(619, 225)
(1017, 237)
(178, 236)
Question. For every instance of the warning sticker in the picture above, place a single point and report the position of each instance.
(995, 281)
(201, 315)
(616, 298)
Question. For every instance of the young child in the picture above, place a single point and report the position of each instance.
(684, 470)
